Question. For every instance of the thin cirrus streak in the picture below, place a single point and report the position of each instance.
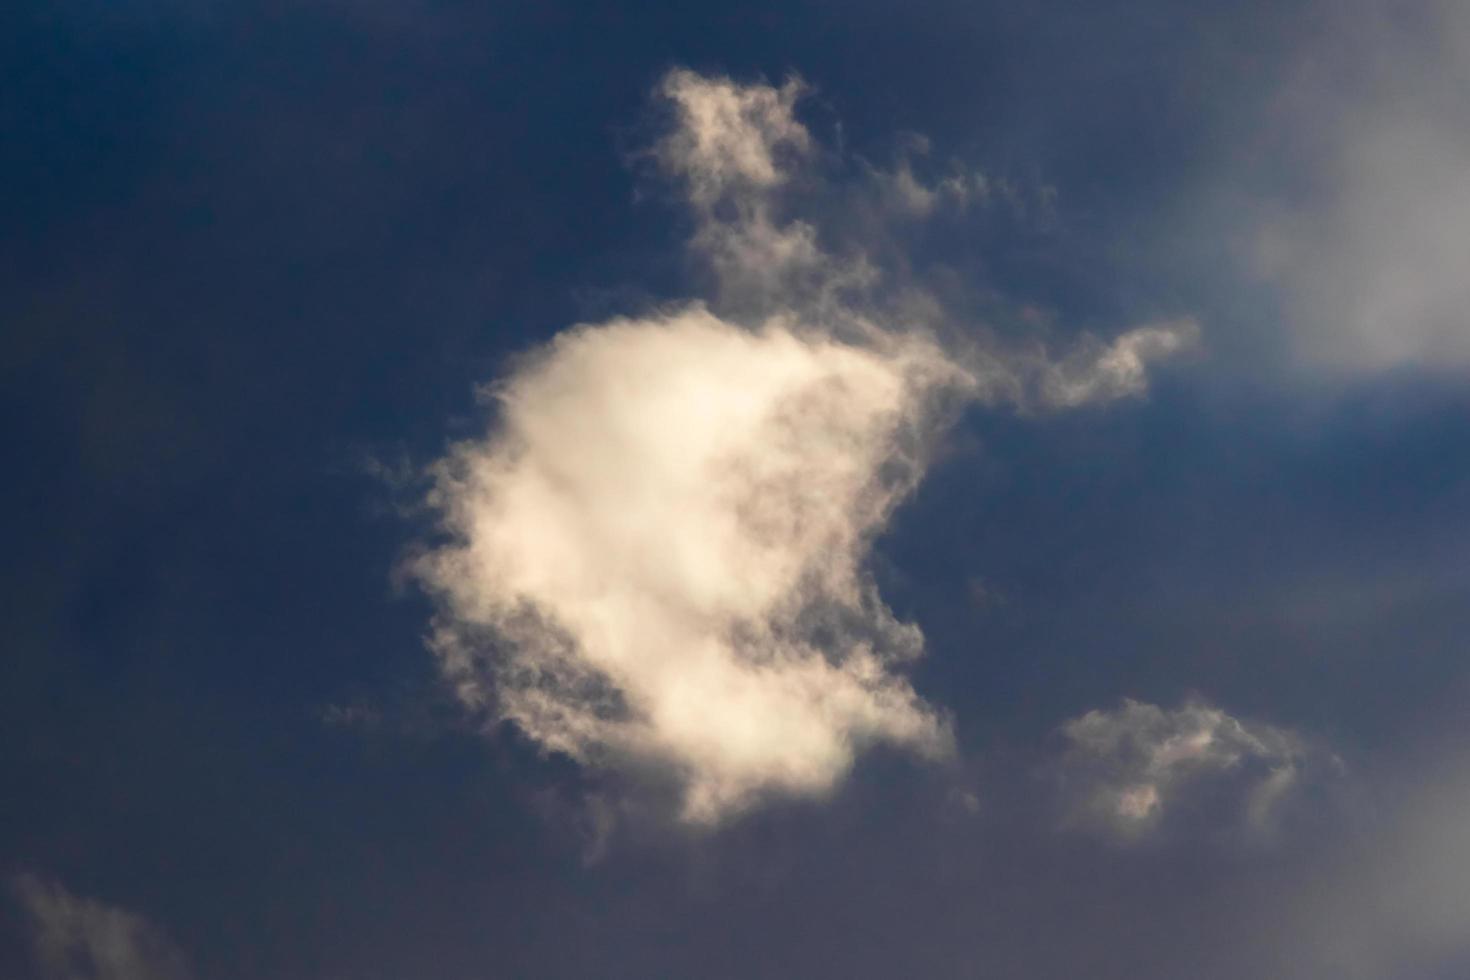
(654, 561)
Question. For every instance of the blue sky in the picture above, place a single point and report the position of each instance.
(776, 490)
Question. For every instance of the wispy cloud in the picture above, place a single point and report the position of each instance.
(1095, 371)
(654, 561)
(730, 138)
(77, 938)
(902, 192)
(1134, 770)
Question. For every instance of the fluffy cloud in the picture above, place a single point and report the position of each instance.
(666, 536)
(1126, 772)
(84, 939)
(654, 561)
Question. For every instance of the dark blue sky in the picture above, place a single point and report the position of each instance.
(255, 259)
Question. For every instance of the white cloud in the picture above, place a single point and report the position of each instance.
(667, 533)
(83, 939)
(654, 561)
(1127, 771)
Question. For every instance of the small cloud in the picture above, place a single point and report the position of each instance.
(352, 714)
(730, 137)
(905, 194)
(983, 595)
(1096, 372)
(396, 484)
(76, 938)
(1128, 773)
(966, 799)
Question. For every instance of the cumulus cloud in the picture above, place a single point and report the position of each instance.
(78, 938)
(1127, 772)
(1371, 257)
(666, 533)
(653, 563)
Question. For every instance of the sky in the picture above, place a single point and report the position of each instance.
(956, 490)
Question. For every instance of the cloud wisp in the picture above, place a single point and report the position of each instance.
(654, 562)
(1129, 773)
(76, 938)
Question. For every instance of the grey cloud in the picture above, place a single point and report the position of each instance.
(1399, 904)
(1131, 771)
(1095, 371)
(1371, 257)
(907, 190)
(902, 192)
(77, 938)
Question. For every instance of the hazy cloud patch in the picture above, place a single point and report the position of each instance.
(75, 938)
(1130, 772)
(1396, 902)
(730, 137)
(1095, 371)
(1370, 254)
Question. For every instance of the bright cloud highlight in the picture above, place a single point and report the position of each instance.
(654, 561)
(666, 536)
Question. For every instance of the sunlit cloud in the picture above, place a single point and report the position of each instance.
(1129, 772)
(654, 562)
